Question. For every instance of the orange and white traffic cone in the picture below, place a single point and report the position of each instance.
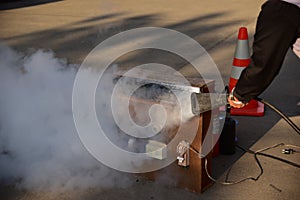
(240, 61)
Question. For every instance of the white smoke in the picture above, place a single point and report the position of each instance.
(39, 146)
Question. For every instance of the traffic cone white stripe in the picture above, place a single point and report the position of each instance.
(236, 72)
(242, 50)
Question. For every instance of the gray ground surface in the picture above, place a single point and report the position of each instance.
(72, 28)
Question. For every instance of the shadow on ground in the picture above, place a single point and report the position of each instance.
(15, 4)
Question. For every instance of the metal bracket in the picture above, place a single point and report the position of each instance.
(204, 102)
(183, 151)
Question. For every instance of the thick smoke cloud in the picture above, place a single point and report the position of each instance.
(39, 146)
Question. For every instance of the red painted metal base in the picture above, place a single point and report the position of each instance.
(254, 108)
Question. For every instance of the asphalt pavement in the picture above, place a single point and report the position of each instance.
(72, 28)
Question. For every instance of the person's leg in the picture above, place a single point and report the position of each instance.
(277, 29)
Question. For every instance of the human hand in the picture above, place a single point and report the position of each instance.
(234, 102)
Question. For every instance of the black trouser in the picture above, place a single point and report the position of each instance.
(277, 29)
